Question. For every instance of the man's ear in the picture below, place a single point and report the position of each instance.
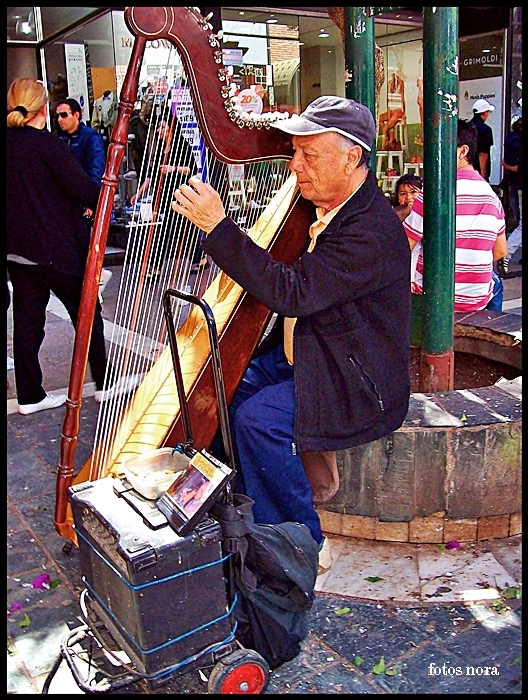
(354, 156)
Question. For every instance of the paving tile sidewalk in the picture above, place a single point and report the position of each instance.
(427, 648)
(439, 646)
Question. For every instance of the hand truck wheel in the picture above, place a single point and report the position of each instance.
(242, 672)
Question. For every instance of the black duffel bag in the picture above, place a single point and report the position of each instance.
(275, 570)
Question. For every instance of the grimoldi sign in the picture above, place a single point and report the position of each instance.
(483, 59)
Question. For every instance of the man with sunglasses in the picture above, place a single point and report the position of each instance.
(87, 146)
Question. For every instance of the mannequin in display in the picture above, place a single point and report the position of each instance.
(104, 114)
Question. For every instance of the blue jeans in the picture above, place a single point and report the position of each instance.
(497, 297)
(269, 470)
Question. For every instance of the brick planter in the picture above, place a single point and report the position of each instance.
(451, 472)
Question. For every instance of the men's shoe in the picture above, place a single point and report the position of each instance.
(502, 267)
(48, 401)
(325, 557)
(123, 386)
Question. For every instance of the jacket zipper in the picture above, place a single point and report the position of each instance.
(368, 380)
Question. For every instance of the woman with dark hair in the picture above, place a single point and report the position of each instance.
(169, 143)
(170, 164)
(407, 188)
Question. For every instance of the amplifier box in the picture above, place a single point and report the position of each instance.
(162, 597)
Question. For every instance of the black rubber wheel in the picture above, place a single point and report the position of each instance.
(244, 672)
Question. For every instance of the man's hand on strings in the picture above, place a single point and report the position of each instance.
(200, 203)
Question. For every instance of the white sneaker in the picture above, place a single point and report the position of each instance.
(123, 386)
(325, 557)
(106, 276)
(48, 401)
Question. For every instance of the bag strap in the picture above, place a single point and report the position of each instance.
(232, 519)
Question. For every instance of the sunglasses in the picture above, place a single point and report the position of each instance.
(63, 115)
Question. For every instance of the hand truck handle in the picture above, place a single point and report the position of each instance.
(217, 368)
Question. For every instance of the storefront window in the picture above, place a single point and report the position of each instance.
(263, 60)
(21, 24)
(81, 64)
(400, 112)
(481, 76)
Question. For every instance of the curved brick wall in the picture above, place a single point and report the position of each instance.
(452, 471)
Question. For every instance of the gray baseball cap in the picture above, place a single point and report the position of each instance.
(329, 113)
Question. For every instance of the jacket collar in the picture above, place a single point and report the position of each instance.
(358, 203)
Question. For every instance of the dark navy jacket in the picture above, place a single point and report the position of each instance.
(352, 300)
(484, 143)
(87, 146)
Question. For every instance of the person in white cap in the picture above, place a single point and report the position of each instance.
(339, 375)
(482, 163)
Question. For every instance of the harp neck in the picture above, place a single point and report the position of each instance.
(224, 130)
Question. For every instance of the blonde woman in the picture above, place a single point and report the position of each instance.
(47, 239)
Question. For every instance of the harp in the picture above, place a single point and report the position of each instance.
(229, 140)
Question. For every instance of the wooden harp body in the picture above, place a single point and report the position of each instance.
(151, 418)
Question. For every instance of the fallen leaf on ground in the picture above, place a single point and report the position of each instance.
(342, 611)
(25, 622)
(379, 667)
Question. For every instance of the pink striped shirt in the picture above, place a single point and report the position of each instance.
(479, 221)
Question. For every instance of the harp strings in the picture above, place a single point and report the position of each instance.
(163, 249)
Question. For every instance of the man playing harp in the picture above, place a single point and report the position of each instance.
(340, 375)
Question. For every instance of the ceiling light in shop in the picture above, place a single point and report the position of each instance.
(323, 33)
(272, 20)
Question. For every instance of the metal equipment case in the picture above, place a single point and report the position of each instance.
(161, 596)
(166, 600)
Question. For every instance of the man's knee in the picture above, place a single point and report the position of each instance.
(247, 415)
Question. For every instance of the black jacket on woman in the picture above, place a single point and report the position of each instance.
(352, 300)
(47, 191)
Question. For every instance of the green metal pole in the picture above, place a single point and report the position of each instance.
(360, 84)
(440, 61)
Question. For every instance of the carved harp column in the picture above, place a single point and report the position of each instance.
(151, 418)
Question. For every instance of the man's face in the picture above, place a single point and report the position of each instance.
(322, 169)
(68, 121)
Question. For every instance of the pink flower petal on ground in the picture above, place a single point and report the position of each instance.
(453, 545)
(42, 581)
(15, 606)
